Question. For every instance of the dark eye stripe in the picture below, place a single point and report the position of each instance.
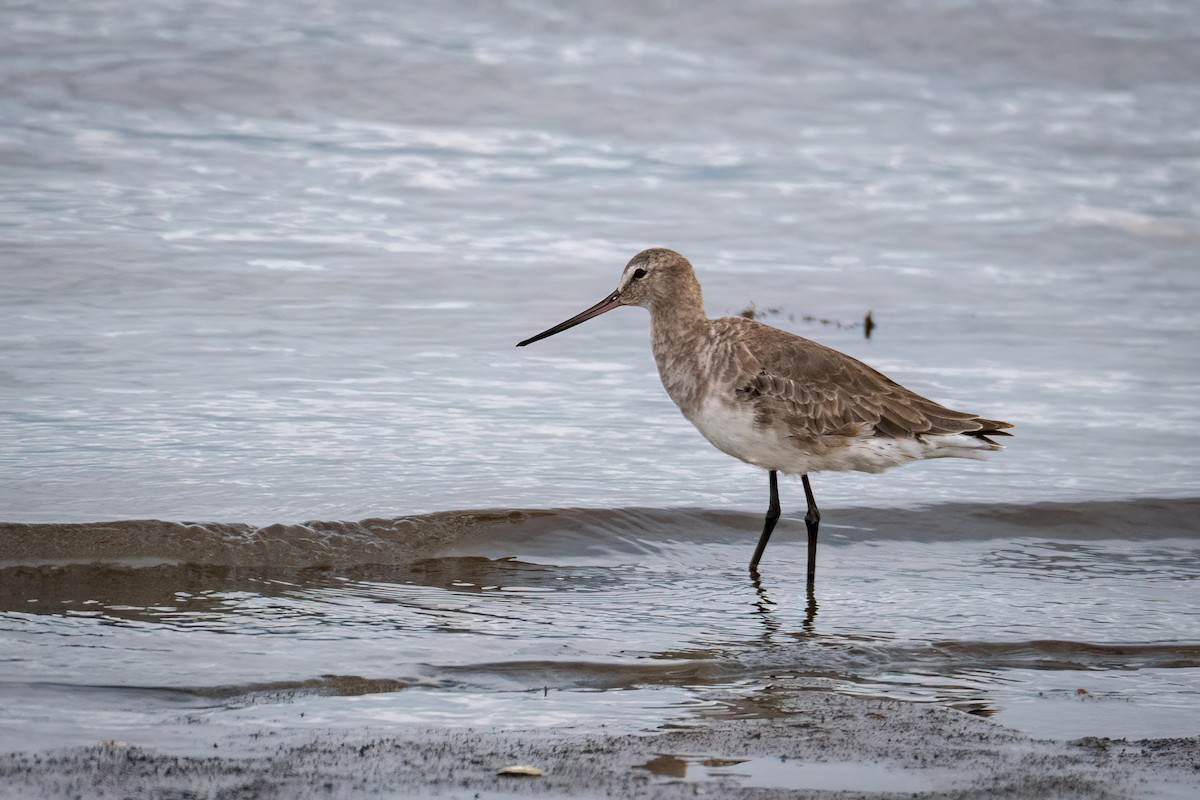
(639, 273)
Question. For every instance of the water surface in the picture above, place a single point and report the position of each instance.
(628, 620)
(266, 262)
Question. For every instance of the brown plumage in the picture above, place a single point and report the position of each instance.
(777, 400)
(818, 391)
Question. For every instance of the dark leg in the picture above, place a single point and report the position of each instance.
(812, 519)
(769, 525)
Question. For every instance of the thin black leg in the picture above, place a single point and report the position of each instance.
(811, 520)
(768, 525)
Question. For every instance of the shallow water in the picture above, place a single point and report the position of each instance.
(625, 620)
(266, 262)
(777, 773)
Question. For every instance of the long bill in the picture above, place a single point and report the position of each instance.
(607, 304)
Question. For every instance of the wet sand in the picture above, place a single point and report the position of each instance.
(788, 740)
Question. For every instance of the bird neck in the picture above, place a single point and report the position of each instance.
(681, 315)
(679, 335)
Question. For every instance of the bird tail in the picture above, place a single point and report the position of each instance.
(991, 427)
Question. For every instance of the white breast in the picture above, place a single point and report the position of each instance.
(731, 428)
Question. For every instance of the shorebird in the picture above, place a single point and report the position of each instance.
(776, 400)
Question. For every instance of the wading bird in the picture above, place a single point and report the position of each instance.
(779, 401)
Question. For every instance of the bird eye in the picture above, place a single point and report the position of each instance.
(639, 273)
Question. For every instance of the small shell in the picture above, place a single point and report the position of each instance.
(521, 770)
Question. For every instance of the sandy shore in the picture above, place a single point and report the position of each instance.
(789, 740)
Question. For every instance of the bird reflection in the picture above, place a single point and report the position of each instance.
(765, 607)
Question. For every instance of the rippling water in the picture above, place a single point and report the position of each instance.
(266, 262)
(582, 619)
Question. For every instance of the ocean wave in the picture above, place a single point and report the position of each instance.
(551, 534)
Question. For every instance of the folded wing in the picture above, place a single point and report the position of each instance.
(816, 391)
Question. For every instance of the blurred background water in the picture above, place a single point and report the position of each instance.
(268, 261)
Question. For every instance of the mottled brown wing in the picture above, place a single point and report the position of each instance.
(817, 390)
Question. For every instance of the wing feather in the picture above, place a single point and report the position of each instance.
(817, 391)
